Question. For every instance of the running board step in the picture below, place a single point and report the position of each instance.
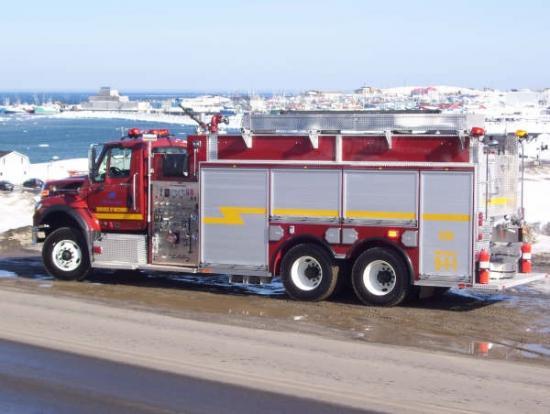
(250, 280)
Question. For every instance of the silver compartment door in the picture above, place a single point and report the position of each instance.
(381, 198)
(446, 236)
(234, 217)
(305, 195)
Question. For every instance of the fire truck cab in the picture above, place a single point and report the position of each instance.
(390, 202)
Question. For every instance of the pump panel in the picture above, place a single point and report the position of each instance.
(175, 223)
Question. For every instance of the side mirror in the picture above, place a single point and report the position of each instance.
(175, 165)
(92, 157)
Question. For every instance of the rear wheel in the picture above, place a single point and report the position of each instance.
(65, 254)
(308, 273)
(380, 277)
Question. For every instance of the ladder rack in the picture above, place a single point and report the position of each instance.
(342, 122)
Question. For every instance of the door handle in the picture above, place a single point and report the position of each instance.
(134, 203)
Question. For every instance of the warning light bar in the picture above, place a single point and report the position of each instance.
(159, 132)
(134, 132)
(477, 132)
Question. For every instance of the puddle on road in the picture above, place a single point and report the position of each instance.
(513, 325)
(5, 274)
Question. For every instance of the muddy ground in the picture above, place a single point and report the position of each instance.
(513, 325)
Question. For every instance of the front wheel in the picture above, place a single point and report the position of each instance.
(65, 254)
(308, 273)
(380, 277)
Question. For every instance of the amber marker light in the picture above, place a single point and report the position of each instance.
(521, 133)
(393, 234)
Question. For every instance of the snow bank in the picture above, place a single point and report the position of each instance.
(16, 209)
(133, 116)
(537, 195)
(54, 170)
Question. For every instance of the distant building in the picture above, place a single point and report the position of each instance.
(14, 166)
(367, 91)
(110, 100)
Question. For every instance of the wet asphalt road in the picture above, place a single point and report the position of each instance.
(40, 380)
(145, 335)
(512, 325)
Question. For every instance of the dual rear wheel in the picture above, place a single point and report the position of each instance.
(379, 275)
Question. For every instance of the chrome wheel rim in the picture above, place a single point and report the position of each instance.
(379, 277)
(306, 273)
(66, 255)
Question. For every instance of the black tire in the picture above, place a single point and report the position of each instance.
(440, 291)
(388, 286)
(343, 287)
(308, 273)
(76, 253)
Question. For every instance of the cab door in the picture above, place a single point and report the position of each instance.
(116, 198)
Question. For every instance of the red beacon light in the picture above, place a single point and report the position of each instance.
(134, 132)
(477, 132)
(159, 132)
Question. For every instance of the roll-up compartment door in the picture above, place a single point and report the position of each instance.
(381, 198)
(305, 195)
(234, 217)
(446, 232)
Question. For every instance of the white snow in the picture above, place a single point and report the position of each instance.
(537, 195)
(54, 170)
(542, 286)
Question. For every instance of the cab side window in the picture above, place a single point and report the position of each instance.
(120, 162)
(114, 162)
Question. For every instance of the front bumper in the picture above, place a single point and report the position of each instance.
(38, 234)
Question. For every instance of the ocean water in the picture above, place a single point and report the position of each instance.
(44, 138)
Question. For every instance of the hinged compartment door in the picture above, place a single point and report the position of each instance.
(446, 233)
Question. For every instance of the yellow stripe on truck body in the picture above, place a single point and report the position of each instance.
(233, 216)
(381, 215)
(119, 216)
(445, 217)
(305, 212)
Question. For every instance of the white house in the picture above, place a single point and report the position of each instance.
(14, 166)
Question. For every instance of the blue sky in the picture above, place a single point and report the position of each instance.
(272, 45)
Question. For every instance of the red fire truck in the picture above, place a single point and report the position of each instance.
(390, 202)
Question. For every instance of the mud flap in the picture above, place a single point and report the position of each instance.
(502, 284)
